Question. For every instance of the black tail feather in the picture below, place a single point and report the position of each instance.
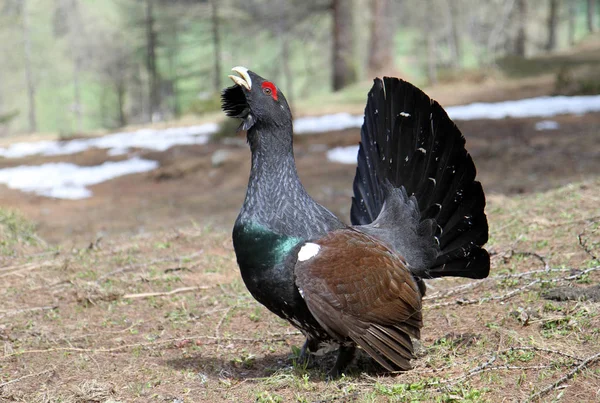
(409, 140)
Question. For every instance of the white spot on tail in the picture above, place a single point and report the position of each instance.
(309, 250)
(422, 150)
(405, 114)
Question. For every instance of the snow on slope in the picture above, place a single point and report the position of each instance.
(64, 180)
(532, 107)
(116, 143)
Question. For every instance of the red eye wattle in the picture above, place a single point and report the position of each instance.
(270, 89)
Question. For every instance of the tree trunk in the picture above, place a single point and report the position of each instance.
(454, 40)
(344, 72)
(431, 59)
(552, 22)
(381, 49)
(216, 44)
(76, 36)
(31, 90)
(154, 80)
(286, 69)
(1, 91)
(283, 32)
(590, 15)
(121, 91)
(572, 21)
(172, 51)
(521, 39)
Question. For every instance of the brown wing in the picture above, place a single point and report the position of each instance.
(357, 288)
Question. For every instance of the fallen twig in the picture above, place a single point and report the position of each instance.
(514, 292)
(17, 270)
(18, 311)
(549, 388)
(472, 372)
(166, 293)
(27, 376)
(545, 350)
(462, 287)
(584, 245)
(487, 366)
(145, 264)
(218, 327)
(530, 254)
(273, 339)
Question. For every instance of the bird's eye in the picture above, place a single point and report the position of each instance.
(269, 89)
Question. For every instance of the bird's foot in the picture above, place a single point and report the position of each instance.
(304, 358)
(345, 356)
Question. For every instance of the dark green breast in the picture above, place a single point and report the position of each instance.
(267, 262)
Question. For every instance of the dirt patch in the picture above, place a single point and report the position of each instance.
(511, 158)
(165, 317)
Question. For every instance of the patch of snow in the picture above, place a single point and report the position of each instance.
(343, 155)
(524, 108)
(546, 125)
(63, 180)
(116, 143)
(326, 123)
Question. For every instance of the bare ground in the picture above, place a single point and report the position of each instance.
(142, 299)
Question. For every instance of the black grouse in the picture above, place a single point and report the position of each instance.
(417, 213)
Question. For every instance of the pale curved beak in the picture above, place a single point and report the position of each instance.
(244, 79)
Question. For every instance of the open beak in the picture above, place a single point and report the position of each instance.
(244, 79)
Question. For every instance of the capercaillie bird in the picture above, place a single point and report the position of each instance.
(417, 213)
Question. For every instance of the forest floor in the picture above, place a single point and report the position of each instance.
(134, 295)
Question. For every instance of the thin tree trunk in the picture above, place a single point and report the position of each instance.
(287, 71)
(31, 90)
(216, 44)
(572, 21)
(344, 72)
(552, 22)
(381, 49)
(172, 52)
(103, 119)
(521, 39)
(498, 32)
(283, 33)
(431, 58)
(590, 15)
(76, 35)
(455, 45)
(120, 88)
(1, 92)
(151, 62)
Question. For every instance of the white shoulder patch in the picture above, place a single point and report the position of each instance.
(309, 250)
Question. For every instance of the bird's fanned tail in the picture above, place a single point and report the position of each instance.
(408, 140)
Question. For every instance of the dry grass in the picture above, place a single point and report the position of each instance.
(166, 317)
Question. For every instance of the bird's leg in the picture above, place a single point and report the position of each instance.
(304, 352)
(345, 355)
(304, 357)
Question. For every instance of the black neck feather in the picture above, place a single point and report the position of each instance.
(275, 197)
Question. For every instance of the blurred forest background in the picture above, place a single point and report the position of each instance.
(70, 66)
